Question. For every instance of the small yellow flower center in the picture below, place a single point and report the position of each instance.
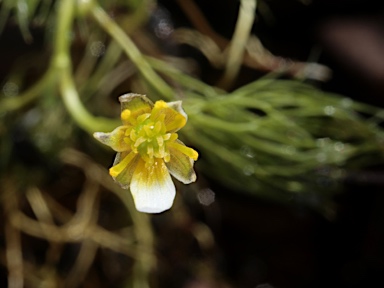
(149, 138)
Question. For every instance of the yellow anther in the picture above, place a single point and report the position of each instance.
(167, 136)
(150, 150)
(173, 137)
(125, 114)
(160, 140)
(161, 151)
(185, 150)
(117, 169)
(133, 135)
(158, 127)
(143, 117)
(139, 141)
(160, 104)
(194, 155)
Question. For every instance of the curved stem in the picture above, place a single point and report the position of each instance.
(85, 120)
(183, 79)
(132, 52)
(61, 62)
(77, 110)
(239, 40)
(65, 18)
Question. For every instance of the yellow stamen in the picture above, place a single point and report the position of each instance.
(185, 150)
(139, 141)
(160, 140)
(117, 169)
(125, 115)
(160, 104)
(178, 122)
(173, 137)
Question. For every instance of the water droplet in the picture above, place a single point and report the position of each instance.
(97, 48)
(206, 196)
(339, 146)
(346, 103)
(248, 170)
(10, 89)
(32, 117)
(329, 110)
(163, 29)
(247, 151)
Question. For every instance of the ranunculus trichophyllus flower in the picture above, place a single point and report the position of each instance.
(149, 151)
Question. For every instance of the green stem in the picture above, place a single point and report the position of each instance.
(239, 40)
(62, 62)
(77, 110)
(65, 17)
(63, 66)
(132, 52)
(183, 79)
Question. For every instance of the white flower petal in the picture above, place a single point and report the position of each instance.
(152, 188)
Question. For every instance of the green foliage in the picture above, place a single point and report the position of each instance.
(283, 140)
(25, 13)
(267, 138)
(275, 138)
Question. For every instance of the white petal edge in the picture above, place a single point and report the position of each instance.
(152, 189)
(177, 105)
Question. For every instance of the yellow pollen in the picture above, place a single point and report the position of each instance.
(125, 115)
(185, 150)
(149, 138)
(160, 104)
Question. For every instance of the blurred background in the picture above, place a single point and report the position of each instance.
(66, 224)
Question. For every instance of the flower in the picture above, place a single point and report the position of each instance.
(149, 151)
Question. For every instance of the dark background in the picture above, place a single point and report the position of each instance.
(263, 244)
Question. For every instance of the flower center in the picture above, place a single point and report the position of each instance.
(149, 138)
